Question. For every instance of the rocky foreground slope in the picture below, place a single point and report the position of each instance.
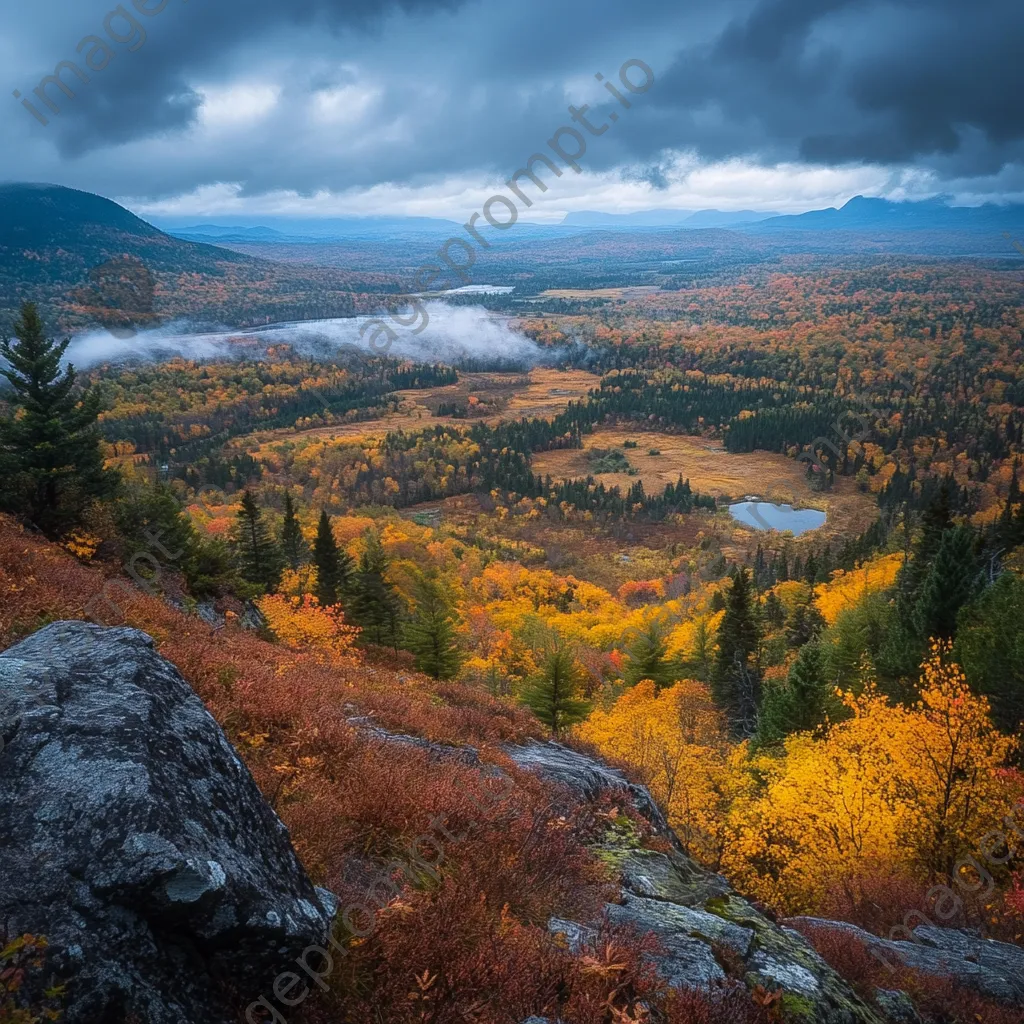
(135, 840)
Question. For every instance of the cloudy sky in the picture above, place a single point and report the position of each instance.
(328, 107)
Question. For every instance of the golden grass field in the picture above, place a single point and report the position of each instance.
(543, 392)
(712, 470)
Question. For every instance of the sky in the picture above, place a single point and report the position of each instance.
(426, 107)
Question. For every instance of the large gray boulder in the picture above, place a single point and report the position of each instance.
(134, 839)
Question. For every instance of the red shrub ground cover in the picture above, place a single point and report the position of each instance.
(459, 936)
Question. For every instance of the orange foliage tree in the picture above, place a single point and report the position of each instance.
(303, 625)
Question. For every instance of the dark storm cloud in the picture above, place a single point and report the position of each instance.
(836, 81)
(144, 89)
(459, 88)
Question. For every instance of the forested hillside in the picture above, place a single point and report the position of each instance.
(86, 259)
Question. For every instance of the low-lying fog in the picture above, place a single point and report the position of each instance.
(452, 335)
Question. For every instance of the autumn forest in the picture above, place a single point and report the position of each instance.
(469, 553)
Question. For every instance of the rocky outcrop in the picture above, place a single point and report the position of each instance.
(994, 969)
(706, 932)
(697, 917)
(134, 839)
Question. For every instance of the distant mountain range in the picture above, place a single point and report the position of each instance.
(665, 219)
(296, 229)
(859, 214)
(864, 214)
(242, 270)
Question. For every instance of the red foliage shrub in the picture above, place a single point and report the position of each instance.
(1015, 899)
(876, 901)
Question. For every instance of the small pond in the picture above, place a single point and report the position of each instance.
(763, 515)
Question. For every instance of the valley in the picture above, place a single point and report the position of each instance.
(516, 547)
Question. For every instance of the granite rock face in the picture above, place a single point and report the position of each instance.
(134, 839)
(993, 969)
(701, 925)
(696, 916)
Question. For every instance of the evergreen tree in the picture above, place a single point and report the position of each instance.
(811, 569)
(333, 565)
(805, 623)
(802, 703)
(50, 456)
(647, 657)
(990, 646)
(951, 580)
(260, 559)
(293, 544)
(1008, 531)
(774, 611)
(782, 568)
(761, 570)
(735, 684)
(699, 662)
(375, 605)
(148, 518)
(554, 695)
(431, 634)
(935, 521)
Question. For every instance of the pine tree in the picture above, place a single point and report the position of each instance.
(951, 581)
(333, 565)
(375, 605)
(1008, 530)
(802, 703)
(647, 657)
(431, 634)
(782, 569)
(735, 684)
(554, 695)
(760, 569)
(293, 544)
(774, 610)
(703, 644)
(260, 559)
(811, 569)
(50, 457)
(935, 521)
(990, 646)
(805, 623)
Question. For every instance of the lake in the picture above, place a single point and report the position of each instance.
(763, 515)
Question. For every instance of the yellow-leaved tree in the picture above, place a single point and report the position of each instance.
(906, 788)
(892, 788)
(679, 740)
(301, 624)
